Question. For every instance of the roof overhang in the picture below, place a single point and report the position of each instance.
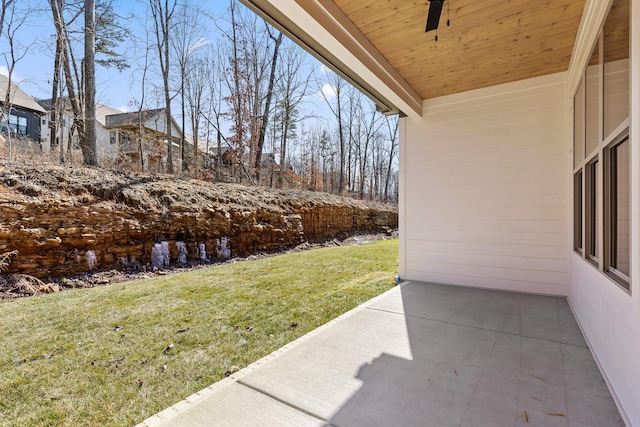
(327, 33)
(381, 46)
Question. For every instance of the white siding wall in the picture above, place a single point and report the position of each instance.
(485, 188)
(157, 123)
(107, 152)
(608, 315)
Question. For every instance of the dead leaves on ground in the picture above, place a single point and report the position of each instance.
(23, 284)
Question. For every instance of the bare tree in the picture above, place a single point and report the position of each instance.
(55, 90)
(391, 126)
(267, 105)
(237, 96)
(195, 87)
(79, 81)
(140, 104)
(17, 51)
(333, 94)
(293, 83)
(66, 57)
(162, 12)
(369, 123)
(247, 49)
(187, 37)
(5, 6)
(214, 59)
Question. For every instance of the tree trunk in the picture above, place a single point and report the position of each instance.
(182, 147)
(393, 138)
(239, 126)
(88, 142)
(219, 158)
(53, 122)
(5, 6)
(267, 105)
(167, 97)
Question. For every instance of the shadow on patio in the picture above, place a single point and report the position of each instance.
(421, 354)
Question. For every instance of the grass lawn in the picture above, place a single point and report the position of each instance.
(117, 354)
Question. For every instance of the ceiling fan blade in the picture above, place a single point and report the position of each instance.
(435, 10)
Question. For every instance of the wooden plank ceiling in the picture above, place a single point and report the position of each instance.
(489, 42)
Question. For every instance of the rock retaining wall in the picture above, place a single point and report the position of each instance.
(53, 235)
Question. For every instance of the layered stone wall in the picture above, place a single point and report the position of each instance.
(53, 234)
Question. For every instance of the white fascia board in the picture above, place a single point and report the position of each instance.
(593, 16)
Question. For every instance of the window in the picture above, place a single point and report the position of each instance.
(18, 124)
(577, 212)
(124, 139)
(601, 152)
(617, 224)
(616, 66)
(592, 208)
(593, 100)
(113, 137)
(578, 125)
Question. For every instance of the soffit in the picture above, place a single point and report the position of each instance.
(489, 42)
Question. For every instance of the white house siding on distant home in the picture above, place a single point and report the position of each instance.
(107, 151)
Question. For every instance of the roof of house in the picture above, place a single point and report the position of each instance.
(18, 97)
(103, 111)
(47, 103)
(130, 118)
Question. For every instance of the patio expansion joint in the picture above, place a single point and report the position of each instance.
(285, 402)
(521, 335)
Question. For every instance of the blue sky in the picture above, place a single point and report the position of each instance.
(37, 38)
(34, 71)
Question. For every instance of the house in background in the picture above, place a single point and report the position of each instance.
(24, 112)
(141, 139)
(519, 147)
(107, 152)
(117, 136)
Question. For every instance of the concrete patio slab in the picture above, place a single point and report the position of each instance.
(420, 354)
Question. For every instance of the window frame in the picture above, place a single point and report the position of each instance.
(595, 173)
(578, 221)
(592, 211)
(611, 206)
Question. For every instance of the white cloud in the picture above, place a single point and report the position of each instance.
(5, 72)
(327, 92)
(324, 69)
(124, 109)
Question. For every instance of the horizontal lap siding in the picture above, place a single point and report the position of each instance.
(486, 188)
